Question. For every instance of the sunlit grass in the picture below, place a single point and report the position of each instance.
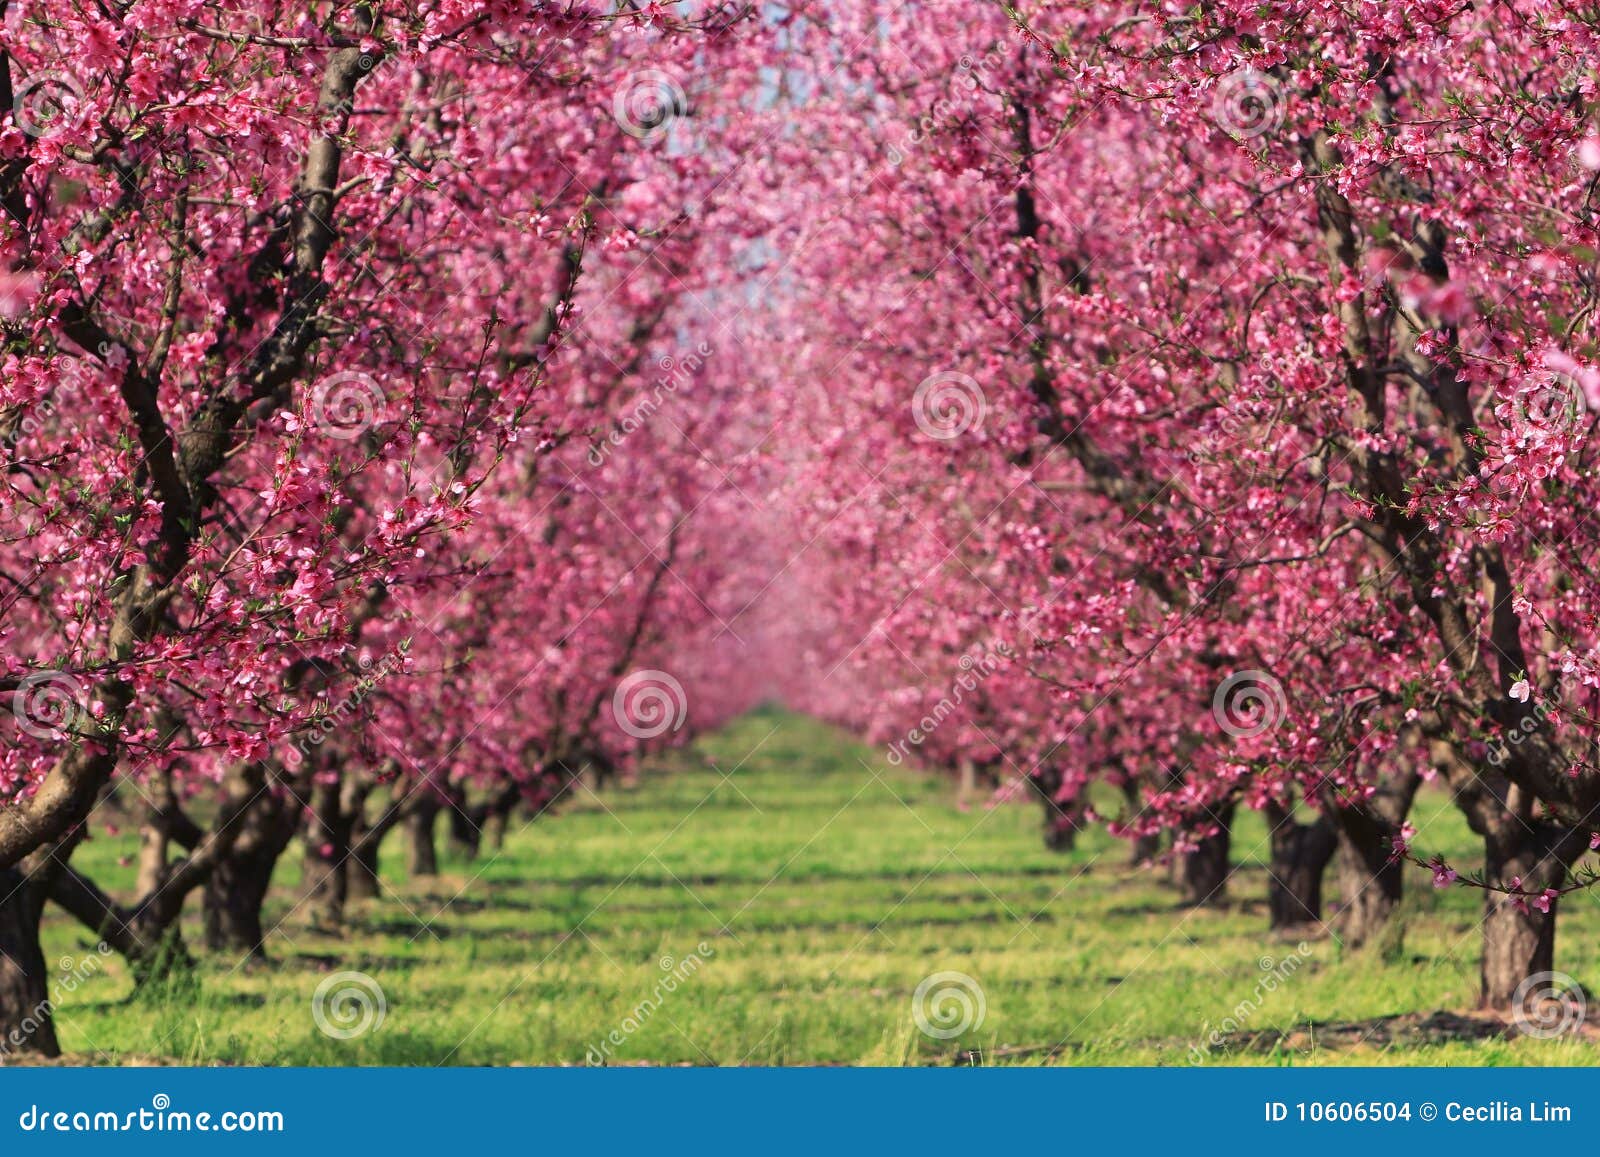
(824, 885)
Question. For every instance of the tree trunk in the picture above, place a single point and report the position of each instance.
(1061, 820)
(1371, 880)
(1205, 869)
(1146, 848)
(494, 826)
(232, 904)
(26, 1011)
(422, 855)
(1519, 940)
(466, 832)
(363, 880)
(327, 850)
(967, 783)
(237, 888)
(1299, 857)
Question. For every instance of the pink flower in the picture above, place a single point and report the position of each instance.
(1520, 690)
(1589, 152)
(17, 291)
(1443, 874)
(1545, 899)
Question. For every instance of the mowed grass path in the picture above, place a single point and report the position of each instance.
(825, 885)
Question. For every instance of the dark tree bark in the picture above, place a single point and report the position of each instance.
(422, 854)
(363, 880)
(147, 933)
(1205, 870)
(366, 837)
(497, 815)
(26, 1020)
(1061, 819)
(1371, 879)
(1300, 853)
(1518, 845)
(237, 889)
(466, 826)
(234, 896)
(1519, 940)
(327, 853)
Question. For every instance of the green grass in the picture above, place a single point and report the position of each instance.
(825, 886)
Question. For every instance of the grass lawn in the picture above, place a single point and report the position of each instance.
(824, 885)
